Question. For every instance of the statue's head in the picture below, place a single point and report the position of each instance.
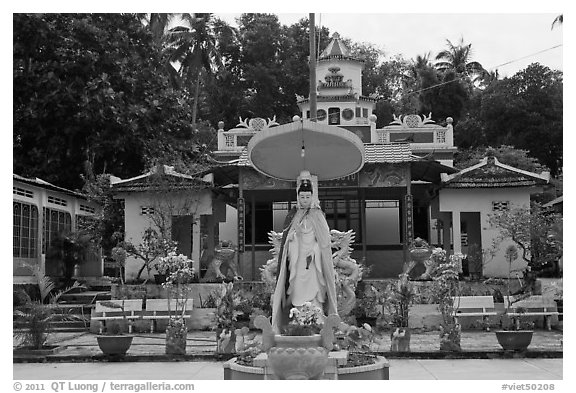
(307, 191)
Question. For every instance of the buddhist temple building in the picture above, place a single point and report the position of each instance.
(404, 190)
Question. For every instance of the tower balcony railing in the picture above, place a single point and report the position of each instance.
(438, 138)
(233, 141)
(330, 85)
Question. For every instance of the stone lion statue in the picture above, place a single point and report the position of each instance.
(420, 252)
(223, 266)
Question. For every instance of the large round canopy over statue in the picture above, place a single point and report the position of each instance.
(328, 152)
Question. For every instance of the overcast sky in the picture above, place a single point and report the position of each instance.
(496, 39)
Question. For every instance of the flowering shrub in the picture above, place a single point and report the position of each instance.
(369, 303)
(177, 268)
(152, 247)
(400, 297)
(179, 271)
(446, 286)
(438, 256)
(226, 302)
(357, 338)
(305, 321)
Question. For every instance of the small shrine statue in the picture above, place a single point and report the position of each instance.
(305, 267)
(223, 266)
(420, 252)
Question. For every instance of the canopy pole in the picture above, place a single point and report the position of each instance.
(313, 110)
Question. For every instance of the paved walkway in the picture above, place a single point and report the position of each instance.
(146, 360)
(203, 343)
(516, 370)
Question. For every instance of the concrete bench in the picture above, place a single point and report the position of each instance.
(103, 313)
(157, 309)
(474, 306)
(535, 305)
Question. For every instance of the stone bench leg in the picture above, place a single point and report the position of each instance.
(548, 322)
(486, 323)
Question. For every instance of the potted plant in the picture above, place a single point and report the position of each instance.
(445, 288)
(400, 298)
(179, 272)
(115, 341)
(225, 317)
(516, 332)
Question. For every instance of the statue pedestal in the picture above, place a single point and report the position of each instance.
(333, 369)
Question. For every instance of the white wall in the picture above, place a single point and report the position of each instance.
(229, 230)
(480, 200)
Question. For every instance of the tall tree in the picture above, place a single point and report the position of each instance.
(525, 111)
(192, 48)
(92, 90)
(260, 38)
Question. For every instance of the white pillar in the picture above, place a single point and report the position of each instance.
(456, 232)
(196, 243)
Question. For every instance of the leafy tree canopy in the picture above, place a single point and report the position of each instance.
(90, 90)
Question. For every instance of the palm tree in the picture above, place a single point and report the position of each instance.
(486, 78)
(458, 58)
(192, 49)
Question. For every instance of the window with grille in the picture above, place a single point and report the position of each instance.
(57, 201)
(440, 136)
(500, 206)
(22, 192)
(146, 210)
(55, 224)
(87, 209)
(25, 230)
(229, 140)
(383, 137)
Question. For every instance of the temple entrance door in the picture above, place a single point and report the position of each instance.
(471, 241)
(182, 233)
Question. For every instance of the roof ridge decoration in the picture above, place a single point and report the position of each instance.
(490, 175)
(257, 124)
(412, 121)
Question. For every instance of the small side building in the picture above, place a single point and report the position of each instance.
(177, 206)
(44, 218)
(468, 197)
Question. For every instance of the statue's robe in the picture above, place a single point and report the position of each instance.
(281, 306)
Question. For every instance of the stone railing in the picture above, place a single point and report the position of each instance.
(441, 138)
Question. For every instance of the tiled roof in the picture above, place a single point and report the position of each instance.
(335, 48)
(145, 182)
(490, 173)
(49, 186)
(390, 153)
(374, 153)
